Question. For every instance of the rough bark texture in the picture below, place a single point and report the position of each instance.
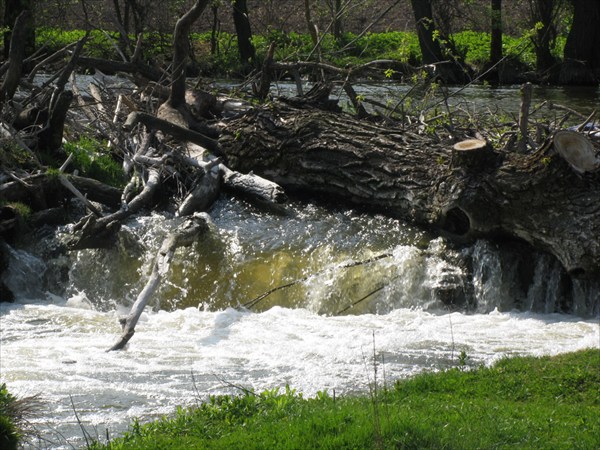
(181, 50)
(582, 50)
(536, 197)
(15, 57)
(432, 53)
(544, 10)
(496, 35)
(243, 32)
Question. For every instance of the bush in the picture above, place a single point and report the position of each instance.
(9, 431)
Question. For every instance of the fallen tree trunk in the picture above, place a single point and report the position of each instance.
(535, 197)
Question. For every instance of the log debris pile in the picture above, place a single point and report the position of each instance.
(546, 197)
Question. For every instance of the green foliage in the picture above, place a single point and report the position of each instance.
(398, 45)
(94, 161)
(9, 431)
(12, 155)
(23, 210)
(99, 44)
(520, 402)
(350, 49)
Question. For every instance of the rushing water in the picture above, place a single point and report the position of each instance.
(200, 341)
(360, 288)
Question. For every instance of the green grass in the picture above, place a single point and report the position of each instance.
(551, 403)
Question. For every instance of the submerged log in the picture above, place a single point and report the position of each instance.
(535, 197)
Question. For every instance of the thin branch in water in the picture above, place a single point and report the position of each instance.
(85, 433)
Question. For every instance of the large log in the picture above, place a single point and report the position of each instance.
(536, 197)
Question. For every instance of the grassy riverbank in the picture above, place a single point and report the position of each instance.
(549, 402)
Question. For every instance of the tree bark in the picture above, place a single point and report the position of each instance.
(12, 10)
(431, 50)
(581, 64)
(544, 14)
(496, 35)
(15, 57)
(243, 32)
(536, 197)
(181, 50)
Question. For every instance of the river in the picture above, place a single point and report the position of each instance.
(362, 288)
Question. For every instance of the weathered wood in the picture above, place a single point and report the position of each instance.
(39, 190)
(534, 197)
(472, 153)
(577, 150)
(184, 235)
(97, 233)
(15, 57)
(252, 185)
(178, 132)
(50, 139)
(181, 49)
(109, 66)
(203, 194)
(526, 93)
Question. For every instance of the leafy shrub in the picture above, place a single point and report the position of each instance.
(9, 432)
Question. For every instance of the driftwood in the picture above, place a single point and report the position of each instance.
(108, 66)
(534, 197)
(177, 131)
(41, 190)
(92, 233)
(577, 150)
(184, 235)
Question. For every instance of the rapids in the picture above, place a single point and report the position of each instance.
(198, 339)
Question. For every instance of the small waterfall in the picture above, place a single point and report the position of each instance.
(544, 294)
(248, 254)
(512, 276)
(24, 276)
(489, 291)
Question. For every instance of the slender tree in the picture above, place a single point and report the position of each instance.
(215, 27)
(243, 31)
(429, 40)
(336, 11)
(581, 64)
(496, 34)
(543, 14)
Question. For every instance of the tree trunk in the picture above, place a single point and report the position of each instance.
(545, 35)
(12, 10)
(15, 57)
(582, 50)
(334, 156)
(496, 35)
(431, 50)
(336, 19)
(215, 29)
(181, 50)
(244, 32)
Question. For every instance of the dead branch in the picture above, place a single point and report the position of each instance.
(184, 235)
